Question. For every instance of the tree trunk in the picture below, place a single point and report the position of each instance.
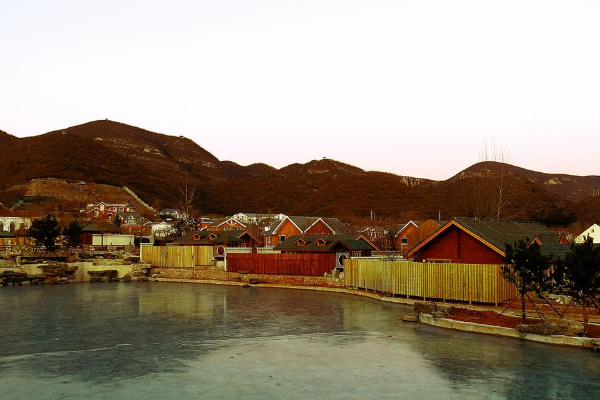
(523, 293)
(585, 316)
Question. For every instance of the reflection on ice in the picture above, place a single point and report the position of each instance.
(187, 341)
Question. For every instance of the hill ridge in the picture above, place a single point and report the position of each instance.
(156, 165)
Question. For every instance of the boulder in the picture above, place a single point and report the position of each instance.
(566, 327)
(410, 318)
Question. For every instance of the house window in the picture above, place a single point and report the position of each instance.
(404, 241)
(121, 209)
(281, 238)
(300, 242)
(320, 242)
(96, 213)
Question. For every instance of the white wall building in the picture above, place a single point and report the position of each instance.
(593, 232)
(13, 224)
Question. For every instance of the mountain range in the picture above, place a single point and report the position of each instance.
(157, 167)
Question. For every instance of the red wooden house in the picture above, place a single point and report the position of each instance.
(280, 230)
(479, 241)
(107, 211)
(414, 232)
(226, 224)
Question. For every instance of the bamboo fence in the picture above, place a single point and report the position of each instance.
(282, 264)
(177, 256)
(481, 283)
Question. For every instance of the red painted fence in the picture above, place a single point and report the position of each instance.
(282, 264)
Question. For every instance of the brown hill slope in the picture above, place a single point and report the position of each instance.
(570, 187)
(6, 138)
(156, 166)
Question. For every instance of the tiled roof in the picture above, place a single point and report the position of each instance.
(498, 233)
(303, 223)
(351, 242)
(556, 251)
(211, 237)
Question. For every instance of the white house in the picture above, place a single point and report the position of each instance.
(13, 224)
(593, 232)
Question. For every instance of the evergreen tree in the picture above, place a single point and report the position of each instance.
(527, 269)
(72, 233)
(580, 275)
(117, 220)
(45, 231)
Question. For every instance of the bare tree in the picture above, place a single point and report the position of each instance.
(493, 192)
(188, 195)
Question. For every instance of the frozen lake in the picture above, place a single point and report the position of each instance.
(189, 341)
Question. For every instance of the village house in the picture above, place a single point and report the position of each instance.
(474, 241)
(218, 240)
(280, 230)
(593, 232)
(226, 224)
(13, 222)
(253, 218)
(414, 232)
(103, 230)
(106, 211)
(342, 245)
(160, 229)
(131, 218)
(172, 214)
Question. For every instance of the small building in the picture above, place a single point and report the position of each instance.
(13, 221)
(172, 213)
(254, 218)
(593, 232)
(107, 211)
(226, 224)
(474, 241)
(102, 228)
(131, 218)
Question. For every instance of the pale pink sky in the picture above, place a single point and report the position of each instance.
(413, 88)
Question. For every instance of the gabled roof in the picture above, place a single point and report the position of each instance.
(214, 237)
(406, 225)
(349, 242)
(303, 224)
(222, 221)
(494, 234)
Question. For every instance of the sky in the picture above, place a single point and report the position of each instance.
(416, 88)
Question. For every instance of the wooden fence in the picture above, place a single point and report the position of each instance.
(177, 256)
(282, 264)
(481, 283)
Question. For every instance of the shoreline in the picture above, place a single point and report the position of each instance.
(428, 319)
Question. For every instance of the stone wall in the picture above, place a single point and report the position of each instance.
(215, 274)
(83, 271)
